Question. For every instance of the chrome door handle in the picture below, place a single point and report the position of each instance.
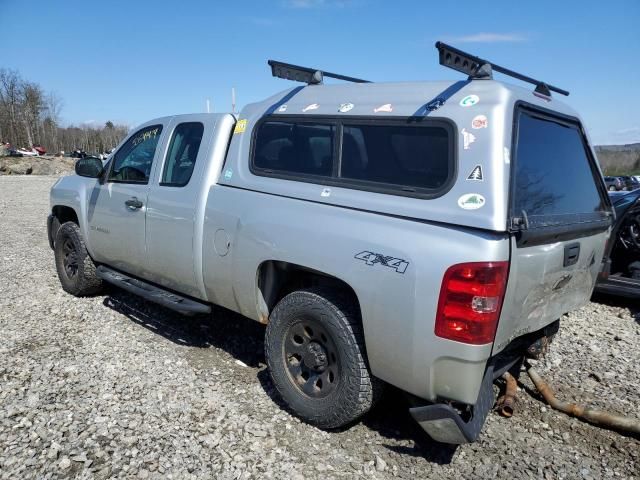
(133, 203)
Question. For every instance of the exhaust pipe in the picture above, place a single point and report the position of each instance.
(506, 403)
(597, 417)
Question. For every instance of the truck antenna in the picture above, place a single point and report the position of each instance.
(233, 100)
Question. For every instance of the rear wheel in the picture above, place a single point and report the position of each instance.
(315, 352)
(76, 270)
(612, 188)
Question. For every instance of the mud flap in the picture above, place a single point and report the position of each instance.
(444, 424)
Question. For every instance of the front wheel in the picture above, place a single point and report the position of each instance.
(76, 270)
(315, 352)
(612, 188)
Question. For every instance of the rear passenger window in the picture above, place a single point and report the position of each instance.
(182, 154)
(554, 181)
(298, 148)
(410, 157)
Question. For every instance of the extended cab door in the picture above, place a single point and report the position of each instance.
(560, 221)
(117, 205)
(174, 196)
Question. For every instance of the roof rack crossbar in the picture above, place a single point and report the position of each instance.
(311, 76)
(479, 68)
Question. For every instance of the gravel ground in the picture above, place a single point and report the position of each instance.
(111, 386)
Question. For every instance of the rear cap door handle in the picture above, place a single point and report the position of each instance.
(133, 203)
(571, 254)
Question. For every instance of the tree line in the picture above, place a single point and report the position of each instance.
(30, 116)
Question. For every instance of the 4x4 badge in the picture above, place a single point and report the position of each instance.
(371, 258)
(476, 174)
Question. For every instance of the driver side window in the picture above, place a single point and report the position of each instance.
(132, 163)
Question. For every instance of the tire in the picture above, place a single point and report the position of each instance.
(55, 226)
(318, 333)
(612, 188)
(76, 270)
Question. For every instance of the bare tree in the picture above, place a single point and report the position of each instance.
(31, 106)
(10, 98)
(30, 116)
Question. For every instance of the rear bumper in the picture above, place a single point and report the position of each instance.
(445, 424)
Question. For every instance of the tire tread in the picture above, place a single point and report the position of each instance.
(88, 282)
(338, 310)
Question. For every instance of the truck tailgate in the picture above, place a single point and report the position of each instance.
(560, 217)
(541, 288)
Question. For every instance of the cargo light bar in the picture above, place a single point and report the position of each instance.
(478, 68)
(311, 76)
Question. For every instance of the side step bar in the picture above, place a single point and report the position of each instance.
(444, 424)
(152, 293)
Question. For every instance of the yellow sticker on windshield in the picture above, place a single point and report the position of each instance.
(241, 126)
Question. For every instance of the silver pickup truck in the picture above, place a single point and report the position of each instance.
(424, 235)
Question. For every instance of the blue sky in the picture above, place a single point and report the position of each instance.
(130, 61)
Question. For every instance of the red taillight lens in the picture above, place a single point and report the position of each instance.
(470, 301)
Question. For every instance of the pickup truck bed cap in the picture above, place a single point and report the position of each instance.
(405, 98)
(491, 148)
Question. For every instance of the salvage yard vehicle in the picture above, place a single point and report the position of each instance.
(620, 274)
(614, 184)
(416, 234)
(629, 183)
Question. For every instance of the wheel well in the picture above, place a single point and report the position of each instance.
(277, 279)
(65, 214)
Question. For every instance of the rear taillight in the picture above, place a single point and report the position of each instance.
(470, 301)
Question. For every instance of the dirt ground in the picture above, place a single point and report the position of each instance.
(41, 165)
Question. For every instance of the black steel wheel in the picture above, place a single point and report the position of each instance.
(316, 356)
(312, 358)
(76, 270)
(70, 260)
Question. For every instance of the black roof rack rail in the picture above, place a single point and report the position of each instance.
(311, 76)
(479, 68)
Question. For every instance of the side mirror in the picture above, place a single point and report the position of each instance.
(89, 167)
